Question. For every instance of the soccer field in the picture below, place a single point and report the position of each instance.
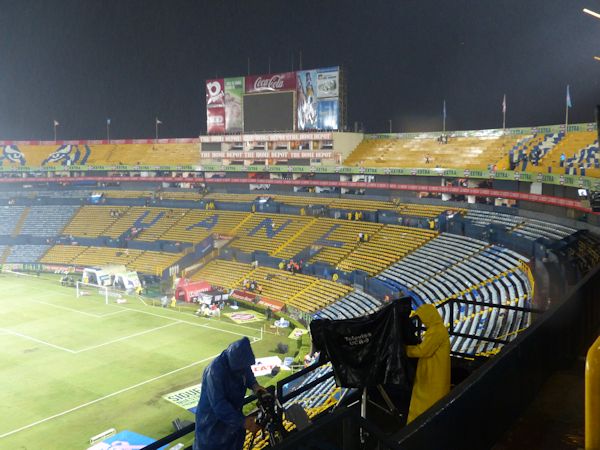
(71, 367)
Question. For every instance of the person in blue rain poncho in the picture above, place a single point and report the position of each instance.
(220, 423)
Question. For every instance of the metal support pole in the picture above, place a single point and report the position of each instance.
(592, 397)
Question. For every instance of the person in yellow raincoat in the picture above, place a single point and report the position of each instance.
(432, 380)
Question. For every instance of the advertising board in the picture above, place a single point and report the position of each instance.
(234, 96)
(215, 94)
(317, 99)
(285, 81)
(215, 120)
(306, 100)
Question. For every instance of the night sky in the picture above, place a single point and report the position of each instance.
(82, 61)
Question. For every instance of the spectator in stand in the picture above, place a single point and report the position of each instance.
(563, 158)
(220, 424)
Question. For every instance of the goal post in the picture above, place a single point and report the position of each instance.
(87, 289)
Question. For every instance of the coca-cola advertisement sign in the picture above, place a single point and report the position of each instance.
(215, 95)
(271, 83)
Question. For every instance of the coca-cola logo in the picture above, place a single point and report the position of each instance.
(274, 83)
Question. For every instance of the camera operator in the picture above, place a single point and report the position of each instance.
(432, 380)
(220, 423)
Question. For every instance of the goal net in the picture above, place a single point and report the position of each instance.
(98, 293)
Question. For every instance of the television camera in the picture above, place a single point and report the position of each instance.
(270, 416)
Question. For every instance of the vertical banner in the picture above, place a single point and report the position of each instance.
(215, 94)
(215, 120)
(306, 99)
(328, 114)
(234, 92)
(215, 106)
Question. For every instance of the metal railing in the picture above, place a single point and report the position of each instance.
(283, 398)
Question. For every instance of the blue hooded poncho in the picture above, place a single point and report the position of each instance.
(219, 418)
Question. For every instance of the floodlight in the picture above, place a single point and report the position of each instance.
(591, 13)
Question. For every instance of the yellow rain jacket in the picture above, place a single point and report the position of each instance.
(432, 380)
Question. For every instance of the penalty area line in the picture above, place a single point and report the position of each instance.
(123, 338)
(39, 341)
(121, 391)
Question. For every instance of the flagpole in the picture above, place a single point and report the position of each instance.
(54, 132)
(156, 128)
(108, 131)
(444, 118)
(566, 117)
(504, 114)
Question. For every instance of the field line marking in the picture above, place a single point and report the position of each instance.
(66, 308)
(126, 337)
(180, 320)
(120, 391)
(111, 313)
(24, 336)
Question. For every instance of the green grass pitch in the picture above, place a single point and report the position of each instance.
(71, 367)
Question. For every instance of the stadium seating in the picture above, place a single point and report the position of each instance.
(149, 262)
(47, 220)
(303, 292)
(481, 151)
(317, 295)
(62, 254)
(533, 149)
(391, 243)
(9, 216)
(146, 154)
(196, 225)
(521, 226)
(153, 195)
(355, 304)
(278, 284)
(26, 253)
(267, 232)
(335, 239)
(314, 401)
(450, 267)
(93, 221)
(580, 150)
(228, 274)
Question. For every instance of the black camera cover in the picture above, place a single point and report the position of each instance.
(369, 350)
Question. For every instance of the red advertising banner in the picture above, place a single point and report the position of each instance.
(275, 305)
(538, 198)
(273, 82)
(215, 120)
(215, 93)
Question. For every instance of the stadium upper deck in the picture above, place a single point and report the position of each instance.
(544, 149)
